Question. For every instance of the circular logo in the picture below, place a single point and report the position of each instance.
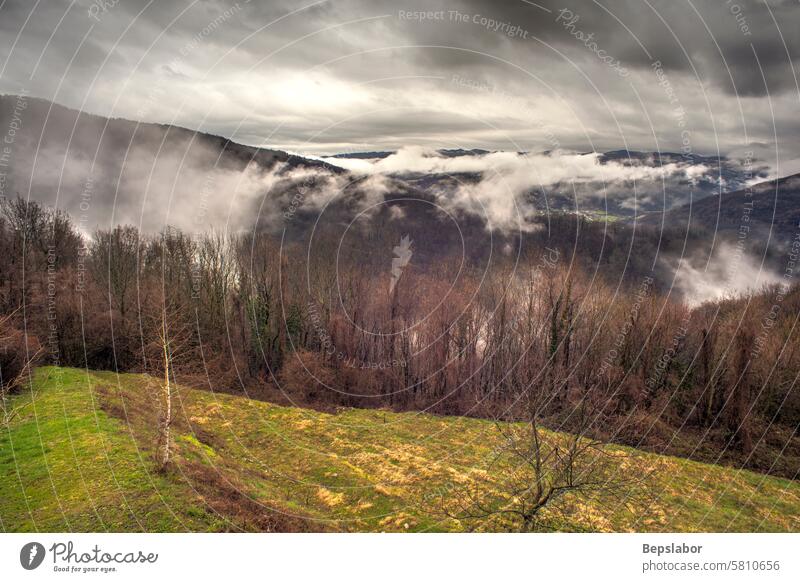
(31, 555)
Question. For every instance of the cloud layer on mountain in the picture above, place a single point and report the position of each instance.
(503, 186)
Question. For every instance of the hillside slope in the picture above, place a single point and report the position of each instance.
(766, 211)
(78, 456)
(104, 171)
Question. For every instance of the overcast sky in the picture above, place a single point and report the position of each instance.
(344, 75)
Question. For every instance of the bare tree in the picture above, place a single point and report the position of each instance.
(169, 343)
(738, 413)
(117, 263)
(18, 355)
(533, 470)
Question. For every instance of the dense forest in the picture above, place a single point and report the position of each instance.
(578, 322)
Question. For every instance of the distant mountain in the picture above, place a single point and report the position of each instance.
(109, 171)
(698, 176)
(105, 172)
(363, 155)
(703, 176)
(114, 170)
(730, 174)
(767, 210)
(447, 153)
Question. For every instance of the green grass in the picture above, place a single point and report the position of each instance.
(600, 216)
(79, 456)
(65, 465)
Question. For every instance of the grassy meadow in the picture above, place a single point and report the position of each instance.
(79, 455)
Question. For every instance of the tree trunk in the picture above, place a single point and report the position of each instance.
(167, 394)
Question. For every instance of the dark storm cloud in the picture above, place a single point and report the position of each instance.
(348, 74)
(710, 36)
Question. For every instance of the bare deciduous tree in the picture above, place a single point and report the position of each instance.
(17, 357)
(536, 473)
(169, 343)
(116, 262)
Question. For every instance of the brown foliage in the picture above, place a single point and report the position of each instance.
(451, 337)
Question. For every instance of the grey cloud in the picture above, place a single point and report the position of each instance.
(730, 273)
(216, 68)
(504, 185)
(674, 32)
